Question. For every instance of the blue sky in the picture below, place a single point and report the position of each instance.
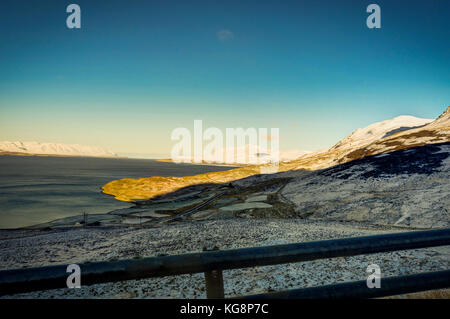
(136, 70)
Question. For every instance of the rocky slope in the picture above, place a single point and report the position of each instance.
(408, 188)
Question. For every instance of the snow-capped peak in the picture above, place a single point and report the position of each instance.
(379, 130)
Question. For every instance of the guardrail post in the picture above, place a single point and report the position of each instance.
(214, 282)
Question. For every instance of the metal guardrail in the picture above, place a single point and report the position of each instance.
(213, 262)
(389, 286)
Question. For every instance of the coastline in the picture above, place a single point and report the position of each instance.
(43, 189)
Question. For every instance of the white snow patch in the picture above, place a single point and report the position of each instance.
(55, 149)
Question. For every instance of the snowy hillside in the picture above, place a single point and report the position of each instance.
(398, 133)
(54, 149)
(400, 178)
(379, 130)
(406, 188)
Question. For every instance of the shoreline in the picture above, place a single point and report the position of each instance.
(17, 183)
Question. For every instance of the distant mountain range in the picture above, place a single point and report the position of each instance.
(252, 155)
(397, 134)
(356, 140)
(36, 148)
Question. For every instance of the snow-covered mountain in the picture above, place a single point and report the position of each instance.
(36, 148)
(244, 155)
(356, 140)
(386, 136)
(394, 173)
(258, 155)
(379, 130)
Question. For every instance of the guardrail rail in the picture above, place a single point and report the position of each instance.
(213, 262)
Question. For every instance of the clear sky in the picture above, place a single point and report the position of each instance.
(136, 70)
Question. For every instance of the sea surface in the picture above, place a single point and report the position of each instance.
(38, 189)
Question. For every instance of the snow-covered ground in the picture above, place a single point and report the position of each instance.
(80, 245)
(407, 188)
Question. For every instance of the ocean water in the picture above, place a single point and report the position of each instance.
(35, 190)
